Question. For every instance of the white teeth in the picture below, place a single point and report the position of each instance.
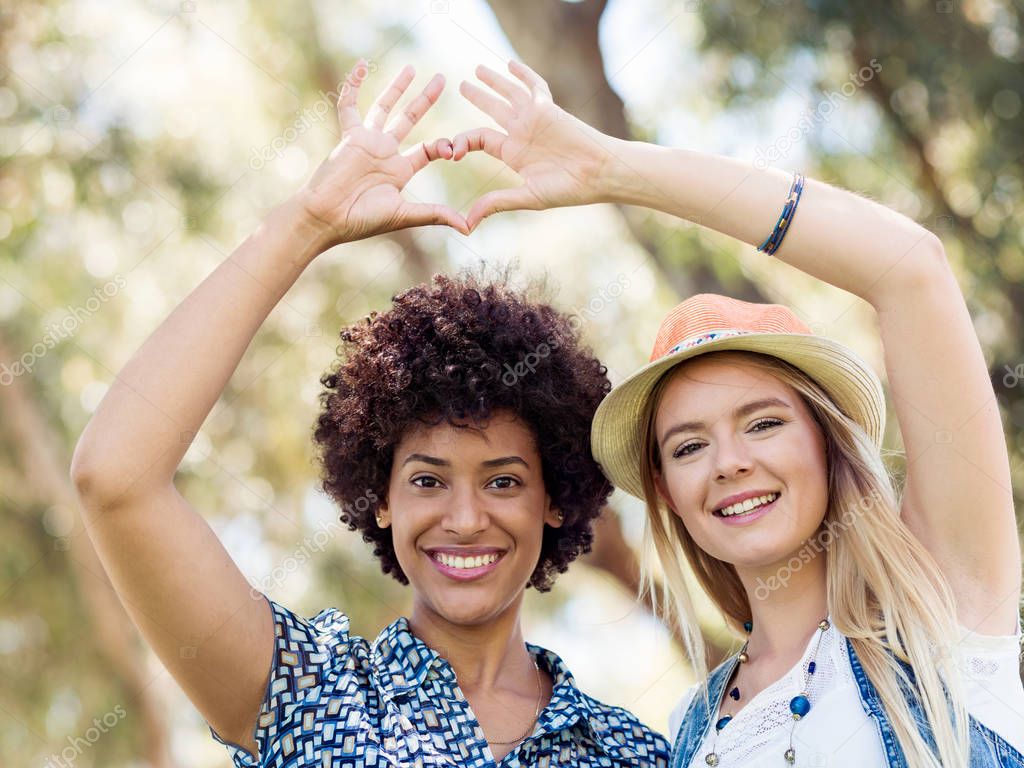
(457, 561)
(746, 506)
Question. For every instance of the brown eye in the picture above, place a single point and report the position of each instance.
(681, 450)
(504, 482)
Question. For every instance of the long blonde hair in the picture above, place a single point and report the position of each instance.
(886, 593)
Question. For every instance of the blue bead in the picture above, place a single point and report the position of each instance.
(811, 667)
(735, 694)
(799, 705)
(748, 626)
(723, 722)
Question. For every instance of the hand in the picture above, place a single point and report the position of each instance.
(558, 156)
(356, 191)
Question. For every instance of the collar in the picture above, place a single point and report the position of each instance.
(401, 663)
(569, 707)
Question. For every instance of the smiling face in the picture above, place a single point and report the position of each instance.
(467, 508)
(727, 430)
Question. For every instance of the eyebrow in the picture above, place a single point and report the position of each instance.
(489, 464)
(744, 410)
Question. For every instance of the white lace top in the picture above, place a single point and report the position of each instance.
(837, 732)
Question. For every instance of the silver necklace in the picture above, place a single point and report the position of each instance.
(536, 714)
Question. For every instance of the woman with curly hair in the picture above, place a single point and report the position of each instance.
(454, 433)
(756, 446)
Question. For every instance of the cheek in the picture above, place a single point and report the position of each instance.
(683, 485)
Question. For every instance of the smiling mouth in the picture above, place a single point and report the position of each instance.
(466, 563)
(747, 507)
(465, 566)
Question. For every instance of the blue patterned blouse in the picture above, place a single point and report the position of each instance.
(336, 700)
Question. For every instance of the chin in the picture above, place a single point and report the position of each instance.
(467, 613)
(470, 608)
(758, 554)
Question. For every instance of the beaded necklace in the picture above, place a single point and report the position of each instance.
(799, 705)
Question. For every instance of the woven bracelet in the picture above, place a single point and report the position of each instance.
(771, 245)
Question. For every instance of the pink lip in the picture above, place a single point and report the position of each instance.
(749, 517)
(736, 498)
(465, 574)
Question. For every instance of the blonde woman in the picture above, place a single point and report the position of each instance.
(756, 446)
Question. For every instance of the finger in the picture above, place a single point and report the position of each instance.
(531, 79)
(384, 103)
(425, 214)
(514, 199)
(487, 103)
(417, 108)
(348, 109)
(426, 152)
(485, 139)
(507, 88)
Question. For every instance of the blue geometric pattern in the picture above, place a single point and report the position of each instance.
(334, 700)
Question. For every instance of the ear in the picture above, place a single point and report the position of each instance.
(663, 494)
(383, 516)
(552, 515)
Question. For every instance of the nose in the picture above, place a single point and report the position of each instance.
(467, 514)
(732, 460)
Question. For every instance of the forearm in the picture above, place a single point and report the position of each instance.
(159, 400)
(836, 236)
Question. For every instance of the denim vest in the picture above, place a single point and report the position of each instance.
(988, 749)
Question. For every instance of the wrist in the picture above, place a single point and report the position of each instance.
(611, 181)
(621, 179)
(311, 235)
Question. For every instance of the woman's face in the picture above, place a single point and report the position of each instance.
(467, 508)
(726, 428)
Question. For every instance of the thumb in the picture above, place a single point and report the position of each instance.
(514, 199)
(426, 214)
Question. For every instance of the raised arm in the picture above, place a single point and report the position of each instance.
(177, 582)
(957, 498)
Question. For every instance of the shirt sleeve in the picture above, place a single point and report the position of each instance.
(306, 652)
(676, 718)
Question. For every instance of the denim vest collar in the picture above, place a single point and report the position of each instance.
(988, 749)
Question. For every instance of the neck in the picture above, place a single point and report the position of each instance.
(785, 614)
(484, 656)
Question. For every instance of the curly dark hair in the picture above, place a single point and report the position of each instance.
(458, 350)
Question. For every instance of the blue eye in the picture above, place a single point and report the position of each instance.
(759, 426)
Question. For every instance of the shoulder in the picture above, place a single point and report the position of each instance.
(616, 731)
(617, 726)
(315, 645)
(675, 718)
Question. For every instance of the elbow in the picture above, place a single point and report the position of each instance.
(95, 484)
(925, 262)
(85, 476)
(924, 266)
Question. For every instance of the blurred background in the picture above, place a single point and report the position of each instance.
(141, 142)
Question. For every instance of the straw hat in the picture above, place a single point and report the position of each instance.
(711, 323)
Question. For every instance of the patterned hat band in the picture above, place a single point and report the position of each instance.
(696, 341)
